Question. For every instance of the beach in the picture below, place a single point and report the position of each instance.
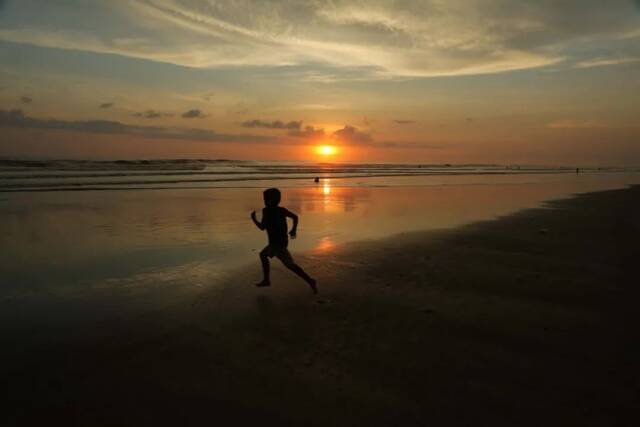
(319, 213)
(526, 319)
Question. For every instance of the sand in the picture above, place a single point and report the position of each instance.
(527, 320)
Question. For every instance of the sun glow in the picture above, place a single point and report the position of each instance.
(326, 150)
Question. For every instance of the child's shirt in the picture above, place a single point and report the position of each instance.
(274, 220)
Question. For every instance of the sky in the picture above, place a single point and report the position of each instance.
(551, 82)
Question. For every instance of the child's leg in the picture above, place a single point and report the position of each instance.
(264, 259)
(288, 262)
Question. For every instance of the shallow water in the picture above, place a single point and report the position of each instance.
(94, 239)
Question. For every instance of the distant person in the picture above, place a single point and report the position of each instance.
(274, 220)
(577, 171)
(317, 180)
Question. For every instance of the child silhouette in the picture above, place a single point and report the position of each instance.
(274, 220)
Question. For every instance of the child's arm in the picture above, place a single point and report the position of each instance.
(260, 225)
(294, 229)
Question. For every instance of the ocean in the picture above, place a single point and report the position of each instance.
(67, 175)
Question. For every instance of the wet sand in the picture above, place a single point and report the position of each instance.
(530, 319)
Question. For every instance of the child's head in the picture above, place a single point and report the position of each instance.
(271, 197)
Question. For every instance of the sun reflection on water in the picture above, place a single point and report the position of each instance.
(324, 245)
(326, 187)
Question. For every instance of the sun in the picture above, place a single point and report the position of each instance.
(326, 150)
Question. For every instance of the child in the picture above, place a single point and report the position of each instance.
(274, 220)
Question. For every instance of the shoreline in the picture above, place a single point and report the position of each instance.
(521, 320)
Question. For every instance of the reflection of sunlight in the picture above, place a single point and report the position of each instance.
(326, 191)
(326, 187)
(328, 195)
(324, 245)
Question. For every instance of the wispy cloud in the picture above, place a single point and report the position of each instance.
(600, 62)
(17, 119)
(193, 114)
(275, 124)
(404, 122)
(415, 145)
(372, 39)
(151, 114)
(106, 105)
(577, 124)
(26, 99)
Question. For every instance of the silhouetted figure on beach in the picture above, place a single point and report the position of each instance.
(274, 220)
(317, 180)
(577, 171)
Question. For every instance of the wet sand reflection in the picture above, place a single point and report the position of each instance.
(73, 238)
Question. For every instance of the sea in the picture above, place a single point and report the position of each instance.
(74, 175)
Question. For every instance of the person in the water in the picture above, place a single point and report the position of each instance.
(274, 220)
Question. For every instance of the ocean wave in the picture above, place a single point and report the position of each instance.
(49, 175)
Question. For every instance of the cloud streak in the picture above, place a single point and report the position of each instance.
(17, 119)
(151, 114)
(577, 124)
(601, 62)
(275, 124)
(381, 38)
(193, 114)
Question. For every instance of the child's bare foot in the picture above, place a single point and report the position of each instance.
(263, 284)
(314, 288)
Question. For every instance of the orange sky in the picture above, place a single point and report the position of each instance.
(490, 83)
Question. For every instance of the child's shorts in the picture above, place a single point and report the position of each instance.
(282, 254)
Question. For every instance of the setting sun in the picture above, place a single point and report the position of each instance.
(326, 150)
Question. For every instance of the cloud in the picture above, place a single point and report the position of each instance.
(309, 132)
(26, 99)
(17, 119)
(599, 62)
(348, 134)
(351, 135)
(577, 124)
(151, 114)
(374, 38)
(413, 145)
(404, 122)
(106, 105)
(193, 114)
(276, 124)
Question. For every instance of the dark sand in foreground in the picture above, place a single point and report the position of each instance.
(531, 319)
